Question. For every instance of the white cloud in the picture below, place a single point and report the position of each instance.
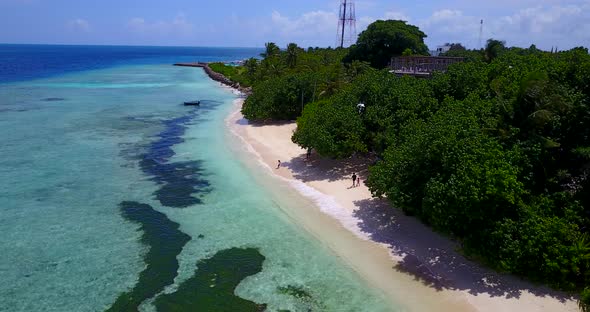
(549, 24)
(451, 26)
(365, 21)
(396, 16)
(179, 26)
(321, 26)
(79, 25)
(311, 28)
(308, 23)
(546, 26)
(543, 20)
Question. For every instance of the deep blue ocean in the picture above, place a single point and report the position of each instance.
(116, 197)
(25, 62)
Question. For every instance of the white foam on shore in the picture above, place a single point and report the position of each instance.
(326, 203)
(234, 91)
(329, 206)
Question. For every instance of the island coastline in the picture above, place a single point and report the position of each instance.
(417, 261)
(409, 257)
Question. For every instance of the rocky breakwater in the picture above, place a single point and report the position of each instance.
(218, 77)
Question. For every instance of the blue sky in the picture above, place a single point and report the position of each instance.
(546, 23)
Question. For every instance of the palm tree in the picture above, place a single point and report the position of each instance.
(356, 68)
(271, 50)
(292, 51)
(537, 101)
(250, 65)
(271, 67)
(493, 49)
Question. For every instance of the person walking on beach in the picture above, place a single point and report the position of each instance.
(358, 181)
(353, 179)
(279, 165)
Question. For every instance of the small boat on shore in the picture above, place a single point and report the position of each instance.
(192, 103)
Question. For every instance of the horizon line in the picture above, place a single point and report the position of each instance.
(127, 45)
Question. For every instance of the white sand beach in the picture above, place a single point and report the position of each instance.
(415, 267)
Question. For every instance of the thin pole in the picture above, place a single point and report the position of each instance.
(480, 33)
(302, 100)
(343, 25)
(315, 84)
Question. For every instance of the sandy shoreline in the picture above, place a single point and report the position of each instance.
(413, 266)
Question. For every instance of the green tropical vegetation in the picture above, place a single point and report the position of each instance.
(284, 82)
(384, 39)
(234, 73)
(495, 152)
(584, 301)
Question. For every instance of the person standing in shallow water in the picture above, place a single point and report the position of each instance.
(353, 179)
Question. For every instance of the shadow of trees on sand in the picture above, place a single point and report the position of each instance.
(433, 259)
(322, 169)
(429, 257)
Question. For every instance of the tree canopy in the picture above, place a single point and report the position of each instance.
(384, 39)
(493, 49)
(284, 82)
(495, 152)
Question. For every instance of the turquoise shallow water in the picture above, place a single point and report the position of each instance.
(76, 146)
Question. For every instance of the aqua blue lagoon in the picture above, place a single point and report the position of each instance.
(115, 196)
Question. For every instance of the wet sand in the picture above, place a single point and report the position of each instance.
(413, 266)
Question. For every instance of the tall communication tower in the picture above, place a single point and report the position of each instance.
(347, 23)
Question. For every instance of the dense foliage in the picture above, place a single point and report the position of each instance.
(281, 98)
(384, 39)
(495, 152)
(585, 300)
(285, 81)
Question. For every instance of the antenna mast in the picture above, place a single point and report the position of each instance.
(480, 33)
(347, 19)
